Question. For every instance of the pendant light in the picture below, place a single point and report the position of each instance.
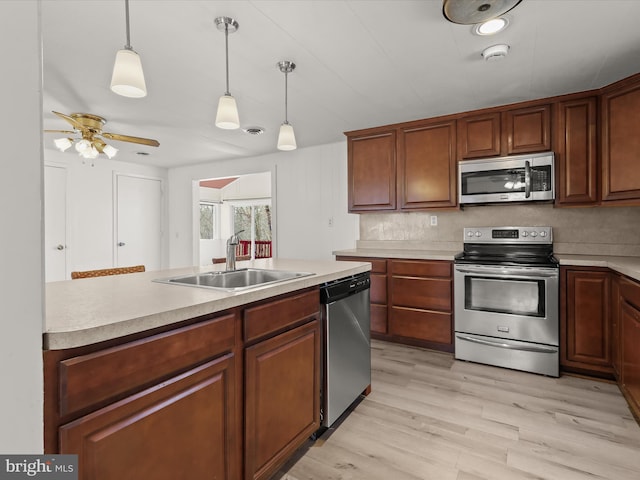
(286, 137)
(128, 78)
(227, 116)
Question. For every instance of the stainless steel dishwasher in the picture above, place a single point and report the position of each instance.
(347, 344)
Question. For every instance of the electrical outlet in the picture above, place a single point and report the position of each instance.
(433, 220)
(331, 221)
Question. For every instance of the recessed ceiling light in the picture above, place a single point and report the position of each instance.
(253, 130)
(492, 26)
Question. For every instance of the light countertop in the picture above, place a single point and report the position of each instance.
(90, 310)
(629, 266)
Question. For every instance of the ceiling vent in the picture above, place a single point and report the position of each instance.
(469, 12)
(253, 130)
(495, 52)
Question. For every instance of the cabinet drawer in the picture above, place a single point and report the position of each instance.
(378, 265)
(425, 293)
(420, 324)
(92, 379)
(275, 316)
(420, 268)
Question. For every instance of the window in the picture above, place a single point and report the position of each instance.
(207, 221)
(255, 220)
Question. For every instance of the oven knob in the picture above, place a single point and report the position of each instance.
(478, 234)
(534, 234)
(525, 234)
(543, 234)
(469, 233)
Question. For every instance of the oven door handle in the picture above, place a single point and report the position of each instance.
(508, 346)
(509, 272)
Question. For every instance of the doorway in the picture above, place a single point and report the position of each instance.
(138, 221)
(55, 218)
(231, 204)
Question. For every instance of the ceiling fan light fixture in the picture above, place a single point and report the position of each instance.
(227, 116)
(286, 136)
(63, 144)
(127, 78)
(83, 145)
(109, 151)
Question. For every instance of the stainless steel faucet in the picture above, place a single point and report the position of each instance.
(232, 242)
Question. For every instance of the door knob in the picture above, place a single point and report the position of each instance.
(59, 247)
(121, 244)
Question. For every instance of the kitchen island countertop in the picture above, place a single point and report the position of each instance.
(90, 310)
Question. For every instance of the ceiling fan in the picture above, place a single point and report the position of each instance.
(91, 144)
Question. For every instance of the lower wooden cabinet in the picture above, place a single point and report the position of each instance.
(421, 302)
(629, 318)
(282, 395)
(182, 428)
(585, 332)
(378, 293)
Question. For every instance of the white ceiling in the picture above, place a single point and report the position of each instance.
(359, 64)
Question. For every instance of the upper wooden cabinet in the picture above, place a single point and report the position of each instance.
(479, 136)
(509, 132)
(576, 152)
(427, 165)
(372, 172)
(526, 130)
(621, 142)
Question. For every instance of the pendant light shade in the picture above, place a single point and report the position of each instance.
(227, 116)
(128, 77)
(286, 137)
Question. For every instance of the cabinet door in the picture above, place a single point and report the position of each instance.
(621, 144)
(630, 323)
(479, 136)
(282, 398)
(526, 130)
(182, 428)
(587, 342)
(427, 166)
(371, 164)
(575, 152)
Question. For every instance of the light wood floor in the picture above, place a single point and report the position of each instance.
(431, 417)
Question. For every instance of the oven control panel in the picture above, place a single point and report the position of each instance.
(511, 235)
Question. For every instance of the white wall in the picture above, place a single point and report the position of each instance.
(21, 198)
(309, 186)
(90, 207)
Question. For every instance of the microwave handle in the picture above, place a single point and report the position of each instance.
(527, 179)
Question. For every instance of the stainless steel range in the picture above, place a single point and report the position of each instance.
(506, 283)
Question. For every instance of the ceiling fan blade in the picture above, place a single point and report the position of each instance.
(127, 138)
(74, 123)
(60, 131)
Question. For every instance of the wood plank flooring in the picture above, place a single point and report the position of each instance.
(432, 417)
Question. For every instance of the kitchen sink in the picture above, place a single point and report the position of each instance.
(234, 280)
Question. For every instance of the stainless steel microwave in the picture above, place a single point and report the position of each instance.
(519, 178)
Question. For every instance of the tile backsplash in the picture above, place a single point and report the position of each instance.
(591, 231)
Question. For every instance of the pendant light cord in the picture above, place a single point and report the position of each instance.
(126, 6)
(226, 53)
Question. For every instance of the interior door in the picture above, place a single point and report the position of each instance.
(138, 232)
(55, 223)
